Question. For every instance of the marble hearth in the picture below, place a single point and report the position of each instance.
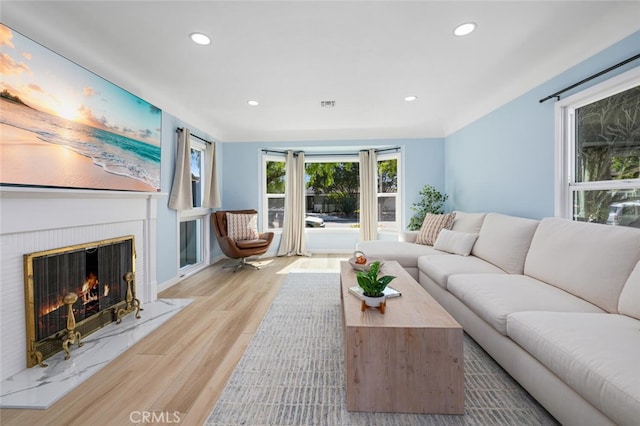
(39, 388)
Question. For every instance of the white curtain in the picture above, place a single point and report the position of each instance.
(368, 195)
(293, 238)
(181, 197)
(211, 192)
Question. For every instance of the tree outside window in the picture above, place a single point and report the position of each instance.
(388, 193)
(197, 157)
(334, 189)
(606, 154)
(274, 183)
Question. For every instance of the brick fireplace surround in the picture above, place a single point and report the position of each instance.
(35, 219)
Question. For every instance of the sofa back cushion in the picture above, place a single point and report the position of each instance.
(629, 303)
(504, 241)
(468, 222)
(455, 242)
(588, 260)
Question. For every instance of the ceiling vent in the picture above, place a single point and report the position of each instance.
(327, 104)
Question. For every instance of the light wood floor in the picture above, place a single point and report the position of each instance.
(183, 366)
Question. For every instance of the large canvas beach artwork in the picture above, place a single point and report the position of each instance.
(63, 126)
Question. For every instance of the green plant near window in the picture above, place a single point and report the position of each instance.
(371, 285)
(431, 201)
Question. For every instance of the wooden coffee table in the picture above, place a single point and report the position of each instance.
(408, 360)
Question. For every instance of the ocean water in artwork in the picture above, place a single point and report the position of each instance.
(113, 152)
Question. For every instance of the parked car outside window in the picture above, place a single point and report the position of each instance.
(625, 213)
(314, 222)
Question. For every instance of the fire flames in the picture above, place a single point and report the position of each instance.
(51, 307)
(85, 293)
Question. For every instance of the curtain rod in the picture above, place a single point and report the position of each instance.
(611, 68)
(181, 129)
(332, 154)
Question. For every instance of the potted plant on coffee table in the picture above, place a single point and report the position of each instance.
(373, 287)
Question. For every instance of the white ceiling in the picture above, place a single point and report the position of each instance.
(365, 55)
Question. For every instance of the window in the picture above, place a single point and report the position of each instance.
(388, 199)
(190, 242)
(198, 151)
(333, 191)
(598, 167)
(274, 190)
(193, 232)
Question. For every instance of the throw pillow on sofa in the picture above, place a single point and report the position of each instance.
(431, 227)
(455, 242)
(242, 226)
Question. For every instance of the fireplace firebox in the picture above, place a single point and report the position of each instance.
(100, 274)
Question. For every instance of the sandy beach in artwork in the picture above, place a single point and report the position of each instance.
(24, 159)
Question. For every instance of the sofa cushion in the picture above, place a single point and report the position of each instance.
(455, 242)
(406, 254)
(494, 296)
(408, 236)
(504, 241)
(595, 354)
(440, 268)
(629, 303)
(590, 260)
(431, 227)
(468, 222)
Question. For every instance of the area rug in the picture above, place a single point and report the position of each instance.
(292, 372)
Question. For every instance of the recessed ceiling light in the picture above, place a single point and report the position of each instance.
(200, 38)
(464, 29)
(253, 103)
(410, 98)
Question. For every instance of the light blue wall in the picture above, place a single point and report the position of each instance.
(504, 162)
(423, 164)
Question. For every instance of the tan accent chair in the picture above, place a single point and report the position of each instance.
(239, 249)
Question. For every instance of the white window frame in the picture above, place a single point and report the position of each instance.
(347, 158)
(197, 213)
(197, 145)
(318, 158)
(564, 180)
(265, 197)
(393, 156)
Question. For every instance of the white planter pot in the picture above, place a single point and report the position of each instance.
(373, 302)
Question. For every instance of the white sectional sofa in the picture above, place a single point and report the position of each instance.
(555, 302)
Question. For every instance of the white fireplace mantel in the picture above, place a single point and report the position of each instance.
(79, 207)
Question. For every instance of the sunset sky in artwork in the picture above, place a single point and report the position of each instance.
(51, 83)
